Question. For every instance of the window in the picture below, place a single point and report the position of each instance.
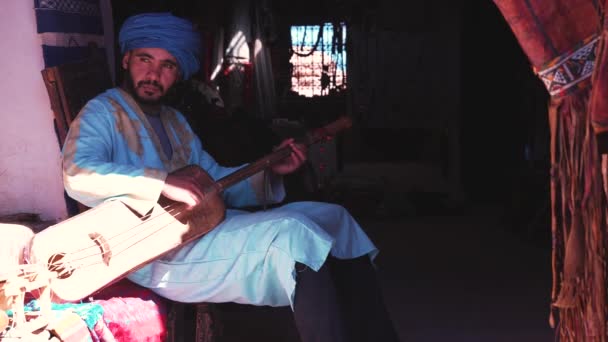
(318, 59)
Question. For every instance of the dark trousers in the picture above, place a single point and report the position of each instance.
(341, 302)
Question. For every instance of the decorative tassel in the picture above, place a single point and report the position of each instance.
(578, 222)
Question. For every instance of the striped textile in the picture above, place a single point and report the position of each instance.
(67, 28)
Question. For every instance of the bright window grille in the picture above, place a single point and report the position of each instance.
(319, 59)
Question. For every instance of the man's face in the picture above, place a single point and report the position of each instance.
(152, 71)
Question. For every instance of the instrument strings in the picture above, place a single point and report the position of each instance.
(169, 209)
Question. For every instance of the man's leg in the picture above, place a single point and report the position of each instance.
(316, 312)
(360, 298)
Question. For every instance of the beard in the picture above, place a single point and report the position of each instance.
(132, 88)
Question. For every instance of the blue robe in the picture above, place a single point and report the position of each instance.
(113, 153)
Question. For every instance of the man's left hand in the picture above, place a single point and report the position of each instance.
(293, 161)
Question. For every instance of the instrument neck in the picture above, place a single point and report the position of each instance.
(253, 168)
(263, 163)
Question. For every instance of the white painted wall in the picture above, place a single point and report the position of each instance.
(30, 165)
(30, 159)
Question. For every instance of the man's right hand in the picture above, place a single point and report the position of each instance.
(183, 188)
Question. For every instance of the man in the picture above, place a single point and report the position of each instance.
(125, 145)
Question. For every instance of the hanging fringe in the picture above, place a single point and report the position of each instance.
(578, 222)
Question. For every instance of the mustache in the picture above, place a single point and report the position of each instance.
(150, 83)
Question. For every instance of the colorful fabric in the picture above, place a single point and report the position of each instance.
(571, 70)
(112, 152)
(67, 28)
(131, 319)
(123, 312)
(66, 326)
(90, 313)
(131, 314)
(163, 30)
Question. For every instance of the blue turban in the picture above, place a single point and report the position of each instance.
(163, 30)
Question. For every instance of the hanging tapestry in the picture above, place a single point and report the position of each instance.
(69, 29)
(560, 39)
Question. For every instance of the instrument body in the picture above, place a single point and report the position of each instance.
(93, 249)
(103, 244)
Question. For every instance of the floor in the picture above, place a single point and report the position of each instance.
(456, 275)
(463, 278)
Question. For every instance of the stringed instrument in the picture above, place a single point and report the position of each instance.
(104, 244)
